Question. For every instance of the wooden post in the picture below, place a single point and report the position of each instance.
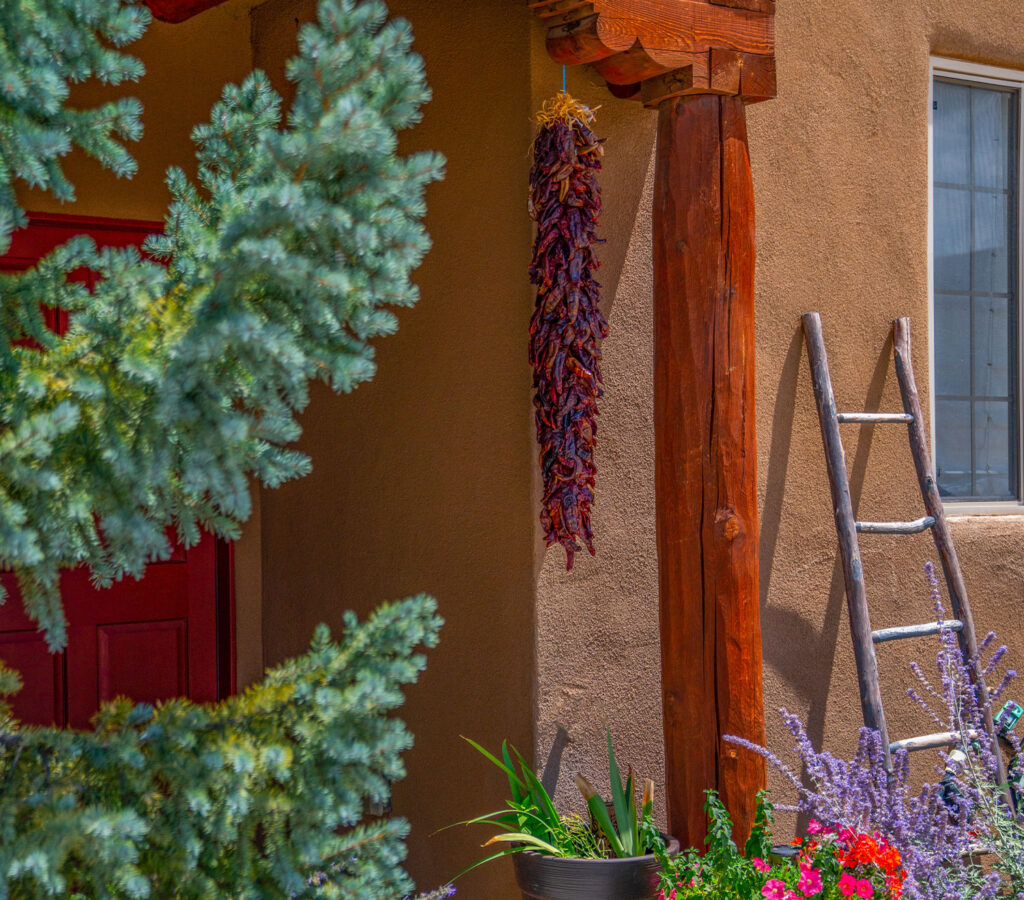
(706, 468)
(698, 62)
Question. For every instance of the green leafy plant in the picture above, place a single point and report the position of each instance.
(629, 833)
(722, 870)
(530, 820)
(174, 387)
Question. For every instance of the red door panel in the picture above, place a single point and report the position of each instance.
(147, 661)
(163, 636)
(41, 701)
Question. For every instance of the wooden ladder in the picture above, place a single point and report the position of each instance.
(864, 639)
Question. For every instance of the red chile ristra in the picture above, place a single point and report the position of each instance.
(567, 325)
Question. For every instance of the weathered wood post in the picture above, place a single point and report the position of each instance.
(699, 62)
(706, 463)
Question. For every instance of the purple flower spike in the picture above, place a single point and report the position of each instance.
(938, 828)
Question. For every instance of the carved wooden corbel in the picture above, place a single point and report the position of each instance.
(652, 50)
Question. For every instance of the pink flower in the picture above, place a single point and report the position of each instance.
(865, 889)
(847, 885)
(810, 880)
(774, 889)
(761, 865)
(814, 827)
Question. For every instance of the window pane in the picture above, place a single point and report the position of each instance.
(952, 117)
(953, 447)
(991, 119)
(991, 242)
(975, 199)
(991, 348)
(953, 344)
(993, 478)
(952, 240)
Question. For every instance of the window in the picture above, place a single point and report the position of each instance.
(976, 384)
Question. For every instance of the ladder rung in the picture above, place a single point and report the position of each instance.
(915, 527)
(877, 418)
(912, 631)
(929, 741)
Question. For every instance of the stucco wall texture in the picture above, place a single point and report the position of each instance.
(841, 178)
(422, 479)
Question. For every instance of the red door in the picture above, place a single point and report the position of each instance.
(166, 635)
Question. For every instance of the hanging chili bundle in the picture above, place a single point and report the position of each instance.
(567, 324)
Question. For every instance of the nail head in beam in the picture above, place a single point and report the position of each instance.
(915, 527)
(911, 631)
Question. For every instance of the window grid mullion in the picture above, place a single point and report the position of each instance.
(1009, 122)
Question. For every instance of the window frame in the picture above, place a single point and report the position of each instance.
(977, 73)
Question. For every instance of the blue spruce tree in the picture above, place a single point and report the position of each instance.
(173, 386)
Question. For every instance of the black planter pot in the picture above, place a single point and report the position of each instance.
(552, 878)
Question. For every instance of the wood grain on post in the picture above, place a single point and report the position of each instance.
(706, 474)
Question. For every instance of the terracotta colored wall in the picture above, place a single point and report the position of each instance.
(841, 173)
(840, 165)
(422, 478)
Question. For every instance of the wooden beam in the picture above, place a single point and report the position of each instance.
(725, 71)
(682, 46)
(661, 29)
(765, 6)
(757, 78)
(706, 459)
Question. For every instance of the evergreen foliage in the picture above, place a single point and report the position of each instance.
(44, 46)
(176, 384)
(240, 799)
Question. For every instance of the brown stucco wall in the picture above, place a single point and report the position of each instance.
(187, 65)
(841, 176)
(422, 478)
(841, 173)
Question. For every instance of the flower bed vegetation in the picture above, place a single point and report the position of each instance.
(829, 863)
(878, 820)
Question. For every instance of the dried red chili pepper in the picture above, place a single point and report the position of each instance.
(567, 324)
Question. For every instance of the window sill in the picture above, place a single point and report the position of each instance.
(1004, 508)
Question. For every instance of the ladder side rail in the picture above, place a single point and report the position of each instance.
(919, 446)
(849, 549)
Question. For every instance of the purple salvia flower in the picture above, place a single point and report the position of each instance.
(937, 827)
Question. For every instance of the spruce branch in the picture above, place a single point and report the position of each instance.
(176, 384)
